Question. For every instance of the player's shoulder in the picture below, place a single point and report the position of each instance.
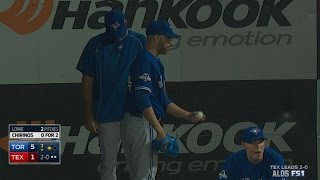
(271, 152)
(92, 43)
(236, 157)
(136, 37)
(272, 155)
(96, 39)
(142, 59)
(232, 165)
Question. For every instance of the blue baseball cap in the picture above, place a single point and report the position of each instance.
(251, 134)
(115, 22)
(160, 27)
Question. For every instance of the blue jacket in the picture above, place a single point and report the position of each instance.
(148, 85)
(109, 64)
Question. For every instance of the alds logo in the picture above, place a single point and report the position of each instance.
(27, 20)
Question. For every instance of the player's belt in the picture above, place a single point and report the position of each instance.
(136, 115)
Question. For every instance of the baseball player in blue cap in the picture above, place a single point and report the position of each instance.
(105, 65)
(253, 162)
(149, 103)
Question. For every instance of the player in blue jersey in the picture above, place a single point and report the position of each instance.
(253, 162)
(148, 104)
(105, 65)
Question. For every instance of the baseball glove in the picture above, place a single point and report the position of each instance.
(168, 145)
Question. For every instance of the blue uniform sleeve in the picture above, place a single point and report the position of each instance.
(143, 100)
(141, 81)
(142, 39)
(226, 172)
(86, 64)
(167, 101)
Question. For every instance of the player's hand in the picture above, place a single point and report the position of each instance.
(168, 145)
(90, 124)
(196, 117)
(161, 135)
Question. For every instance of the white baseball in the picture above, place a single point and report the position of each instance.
(199, 115)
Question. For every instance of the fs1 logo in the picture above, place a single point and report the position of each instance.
(297, 173)
(27, 19)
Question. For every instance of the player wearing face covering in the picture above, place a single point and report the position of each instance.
(105, 64)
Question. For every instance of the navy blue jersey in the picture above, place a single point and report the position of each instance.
(237, 166)
(147, 76)
(109, 64)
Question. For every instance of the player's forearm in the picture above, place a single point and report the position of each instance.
(178, 112)
(149, 114)
(87, 87)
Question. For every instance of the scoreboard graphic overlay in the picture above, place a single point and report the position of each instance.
(34, 144)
